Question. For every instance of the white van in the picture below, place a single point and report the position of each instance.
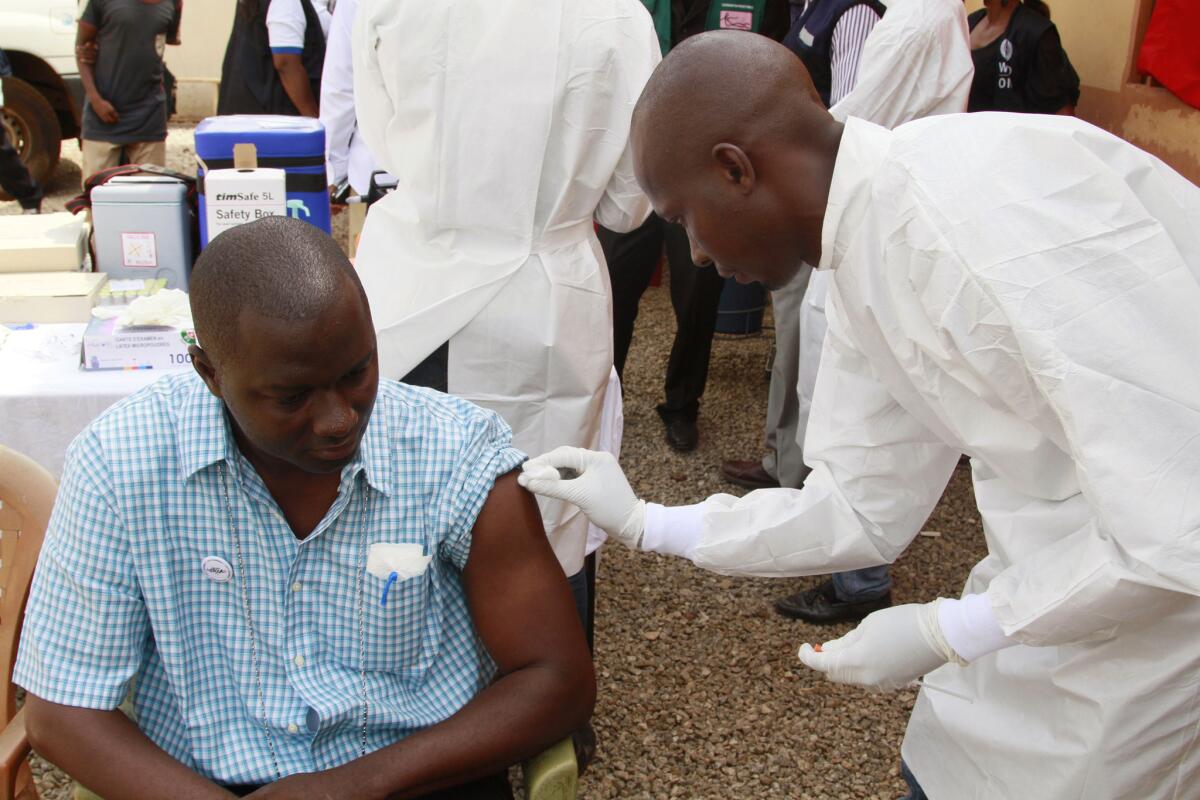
(44, 97)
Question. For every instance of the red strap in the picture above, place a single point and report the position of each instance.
(84, 201)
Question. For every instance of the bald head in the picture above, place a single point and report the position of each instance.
(724, 86)
(275, 267)
(727, 128)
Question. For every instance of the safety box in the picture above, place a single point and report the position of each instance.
(142, 229)
(294, 144)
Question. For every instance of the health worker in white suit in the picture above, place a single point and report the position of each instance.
(346, 155)
(506, 124)
(1020, 288)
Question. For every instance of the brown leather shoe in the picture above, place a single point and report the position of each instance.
(748, 474)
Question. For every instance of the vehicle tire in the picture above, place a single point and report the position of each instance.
(32, 128)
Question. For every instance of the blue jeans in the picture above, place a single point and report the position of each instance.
(860, 585)
(915, 792)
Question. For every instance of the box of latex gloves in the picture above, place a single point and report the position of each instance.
(237, 196)
(152, 332)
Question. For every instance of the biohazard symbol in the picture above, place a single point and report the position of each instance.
(296, 207)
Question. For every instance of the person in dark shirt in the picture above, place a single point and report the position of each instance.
(1020, 64)
(258, 75)
(119, 50)
(14, 176)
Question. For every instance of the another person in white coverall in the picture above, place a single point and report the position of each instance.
(506, 125)
(1023, 289)
(347, 157)
(917, 65)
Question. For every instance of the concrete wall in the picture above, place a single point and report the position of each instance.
(1102, 38)
(197, 62)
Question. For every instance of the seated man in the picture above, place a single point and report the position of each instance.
(224, 543)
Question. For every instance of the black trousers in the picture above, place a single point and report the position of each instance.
(494, 787)
(15, 178)
(695, 294)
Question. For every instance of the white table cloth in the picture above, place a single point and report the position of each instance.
(46, 399)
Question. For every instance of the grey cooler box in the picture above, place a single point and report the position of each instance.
(142, 229)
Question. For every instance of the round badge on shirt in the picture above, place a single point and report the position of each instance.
(216, 569)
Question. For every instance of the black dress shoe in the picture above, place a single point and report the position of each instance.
(821, 606)
(682, 434)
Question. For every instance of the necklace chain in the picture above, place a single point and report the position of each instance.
(362, 625)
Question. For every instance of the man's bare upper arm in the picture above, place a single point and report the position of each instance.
(518, 597)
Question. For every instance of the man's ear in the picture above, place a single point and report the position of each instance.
(736, 166)
(204, 367)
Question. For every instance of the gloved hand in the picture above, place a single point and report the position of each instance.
(889, 650)
(599, 489)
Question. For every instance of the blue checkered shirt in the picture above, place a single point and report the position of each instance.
(120, 596)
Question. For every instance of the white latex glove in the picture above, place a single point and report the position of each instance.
(889, 650)
(599, 489)
(164, 307)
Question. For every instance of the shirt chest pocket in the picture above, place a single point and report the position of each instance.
(396, 634)
(398, 637)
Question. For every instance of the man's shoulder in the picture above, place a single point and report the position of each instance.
(142, 428)
(984, 142)
(413, 412)
(999, 187)
(434, 444)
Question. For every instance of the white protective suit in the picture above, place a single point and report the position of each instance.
(1024, 289)
(507, 125)
(916, 63)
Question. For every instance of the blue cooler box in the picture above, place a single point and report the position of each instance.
(293, 144)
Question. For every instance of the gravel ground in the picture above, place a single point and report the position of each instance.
(701, 695)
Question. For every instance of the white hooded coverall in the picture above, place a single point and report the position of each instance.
(506, 123)
(1026, 290)
(346, 154)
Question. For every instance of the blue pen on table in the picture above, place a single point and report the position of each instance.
(387, 587)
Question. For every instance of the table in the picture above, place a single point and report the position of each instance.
(46, 399)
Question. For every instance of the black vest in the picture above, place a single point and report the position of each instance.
(249, 82)
(1013, 74)
(811, 38)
